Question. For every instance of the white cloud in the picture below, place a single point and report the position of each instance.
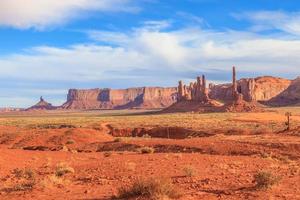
(154, 50)
(154, 56)
(273, 20)
(43, 13)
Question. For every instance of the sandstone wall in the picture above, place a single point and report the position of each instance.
(143, 97)
(290, 96)
(258, 89)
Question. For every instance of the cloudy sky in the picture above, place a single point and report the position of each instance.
(49, 46)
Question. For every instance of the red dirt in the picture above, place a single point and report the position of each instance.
(224, 165)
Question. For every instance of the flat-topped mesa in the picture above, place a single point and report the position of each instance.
(130, 98)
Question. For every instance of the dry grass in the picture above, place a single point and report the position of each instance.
(152, 189)
(63, 169)
(147, 150)
(26, 180)
(189, 171)
(265, 180)
(211, 122)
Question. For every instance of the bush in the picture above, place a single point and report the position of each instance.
(147, 150)
(189, 171)
(118, 140)
(154, 189)
(70, 142)
(265, 180)
(25, 174)
(63, 169)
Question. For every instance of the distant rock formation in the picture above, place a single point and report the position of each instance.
(288, 97)
(243, 94)
(143, 97)
(261, 89)
(235, 97)
(41, 105)
(194, 98)
(238, 102)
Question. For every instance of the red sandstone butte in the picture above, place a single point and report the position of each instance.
(142, 97)
(41, 105)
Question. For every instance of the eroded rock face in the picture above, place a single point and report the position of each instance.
(143, 97)
(290, 96)
(258, 89)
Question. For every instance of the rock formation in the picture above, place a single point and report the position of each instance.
(260, 89)
(288, 97)
(238, 102)
(196, 91)
(41, 105)
(143, 97)
(193, 98)
(198, 98)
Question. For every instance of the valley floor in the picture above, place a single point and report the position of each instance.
(74, 155)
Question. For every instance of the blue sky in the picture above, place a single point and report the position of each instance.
(49, 46)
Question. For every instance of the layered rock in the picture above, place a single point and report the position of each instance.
(143, 97)
(289, 96)
(196, 91)
(238, 102)
(260, 89)
(237, 97)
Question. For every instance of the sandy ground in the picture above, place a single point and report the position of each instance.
(222, 165)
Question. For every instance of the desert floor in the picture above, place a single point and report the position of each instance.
(73, 155)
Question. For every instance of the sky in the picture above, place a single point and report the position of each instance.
(49, 46)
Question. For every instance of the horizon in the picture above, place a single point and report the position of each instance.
(51, 46)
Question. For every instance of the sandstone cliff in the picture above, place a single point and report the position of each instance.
(143, 97)
(290, 96)
(260, 89)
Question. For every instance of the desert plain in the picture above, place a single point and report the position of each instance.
(116, 154)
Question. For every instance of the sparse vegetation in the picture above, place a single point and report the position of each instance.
(265, 179)
(147, 150)
(62, 169)
(189, 171)
(70, 142)
(24, 173)
(26, 180)
(118, 140)
(154, 189)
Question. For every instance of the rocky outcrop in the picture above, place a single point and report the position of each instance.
(143, 97)
(196, 91)
(260, 89)
(237, 97)
(41, 105)
(288, 97)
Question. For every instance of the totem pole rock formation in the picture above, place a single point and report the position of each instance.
(180, 91)
(236, 95)
(196, 91)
